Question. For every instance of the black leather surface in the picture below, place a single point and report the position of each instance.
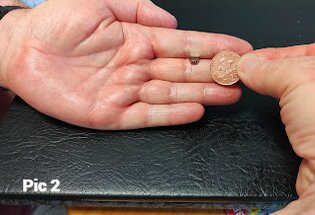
(237, 154)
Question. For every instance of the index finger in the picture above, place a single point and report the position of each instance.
(286, 52)
(170, 43)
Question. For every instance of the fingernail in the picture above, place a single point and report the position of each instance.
(249, 63)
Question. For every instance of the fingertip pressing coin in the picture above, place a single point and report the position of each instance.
(223, 68)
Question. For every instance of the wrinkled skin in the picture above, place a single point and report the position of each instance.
(114, 64)
(121, 65)
(288, 74)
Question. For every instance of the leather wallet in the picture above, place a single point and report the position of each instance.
(237, 155)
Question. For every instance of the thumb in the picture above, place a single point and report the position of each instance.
(292, 80)
(275, 77)
(152, 15)
(143, 12)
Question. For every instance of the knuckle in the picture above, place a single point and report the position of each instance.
(187, 70)
(204, 96)
(289, 74)
(173, 93)
(170, 115)
(187, 42)
(155, 91)
(303, 69)
(131, 75)
(302, 149)
(147, 119)
(150, 87)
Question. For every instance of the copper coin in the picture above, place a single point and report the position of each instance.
(223, 68)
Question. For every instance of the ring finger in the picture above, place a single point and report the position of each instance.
(164, 92)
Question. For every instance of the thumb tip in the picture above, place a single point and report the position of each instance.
(157, 16)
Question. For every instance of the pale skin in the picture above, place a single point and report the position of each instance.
(128, 68)
(112, 64)
(288, 74)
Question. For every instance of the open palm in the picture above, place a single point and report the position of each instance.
(114, 64)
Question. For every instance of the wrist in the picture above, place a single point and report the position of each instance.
(7, 29)
(11, 3)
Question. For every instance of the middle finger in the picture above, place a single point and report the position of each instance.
(180, 70)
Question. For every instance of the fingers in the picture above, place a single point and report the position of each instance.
(162, 92)
(275, 77)
(292, 80)
(151, 15)
(291, 209)
(142, 115)
(180, 70)
(143, 12)
(306, 176)
(309, 193)
(170, 43)
(286, 52)
(303, 206)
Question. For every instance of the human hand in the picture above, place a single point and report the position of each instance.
(108, 64)
(288, 74)
(6, 97)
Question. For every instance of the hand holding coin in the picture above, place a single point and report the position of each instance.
(288, 75)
